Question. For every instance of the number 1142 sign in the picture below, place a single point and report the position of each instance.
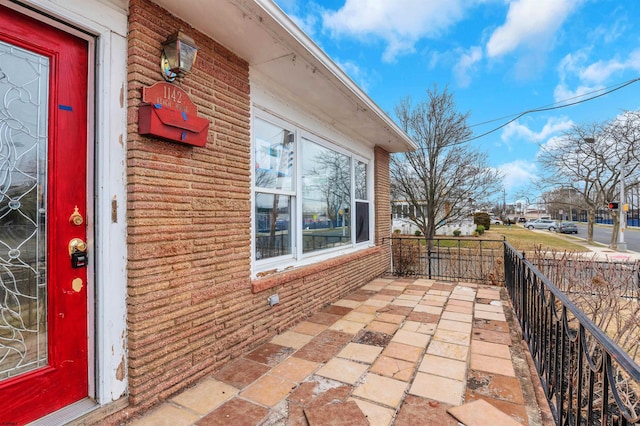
(167, 112)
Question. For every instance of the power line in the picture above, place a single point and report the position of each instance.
(550, 107)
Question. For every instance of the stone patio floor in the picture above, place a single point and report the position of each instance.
(395, 352)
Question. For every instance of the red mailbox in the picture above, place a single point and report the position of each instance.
(168, 113)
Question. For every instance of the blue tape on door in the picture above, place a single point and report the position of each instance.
(65, 107)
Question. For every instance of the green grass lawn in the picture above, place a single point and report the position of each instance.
(525, 240)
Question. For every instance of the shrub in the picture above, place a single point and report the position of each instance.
(457, 232)
(482, 219)
(406, 256)
(480, 230)
(417, 233)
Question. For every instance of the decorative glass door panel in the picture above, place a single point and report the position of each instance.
(23, 144)
(43, 204)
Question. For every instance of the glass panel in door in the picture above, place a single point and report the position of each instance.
(23, 144)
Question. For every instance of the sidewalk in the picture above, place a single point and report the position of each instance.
(395, 352)
(600, 251)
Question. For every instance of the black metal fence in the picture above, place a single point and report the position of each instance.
(587, 378)
(451, 259)
(575, 274)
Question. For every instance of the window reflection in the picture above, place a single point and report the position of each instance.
(273, 221)
(326, 198)
(361, 180)
(274, 156)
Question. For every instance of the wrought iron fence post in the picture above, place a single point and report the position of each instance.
(460, 260)
(481, 260)
(429, 259)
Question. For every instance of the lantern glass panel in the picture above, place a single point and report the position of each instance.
(187, 56)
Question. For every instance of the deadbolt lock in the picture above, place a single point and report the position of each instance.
(78, 253)
(76, 218)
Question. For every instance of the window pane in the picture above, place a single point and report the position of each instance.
(361, 180)
(326, 197)
(274, 156)
(273, 221)
(362, 222)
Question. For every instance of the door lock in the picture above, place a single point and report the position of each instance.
(78, 253)
(76, 218)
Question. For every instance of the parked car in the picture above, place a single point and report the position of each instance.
(549, 224)
(522, 220)
(567, 228)
(496, 221)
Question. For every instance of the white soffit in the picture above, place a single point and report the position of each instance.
(260, 33)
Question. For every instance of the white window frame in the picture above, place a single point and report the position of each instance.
(297, 257)
(368, 200)
(293, 223)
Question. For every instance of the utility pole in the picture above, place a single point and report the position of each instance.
(622, 246)
(504, 202)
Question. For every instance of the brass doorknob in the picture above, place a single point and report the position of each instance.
(76, 245)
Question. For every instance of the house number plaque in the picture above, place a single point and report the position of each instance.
(169, 96)
(167, 112)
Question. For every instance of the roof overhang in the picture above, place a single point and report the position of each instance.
(280, 52)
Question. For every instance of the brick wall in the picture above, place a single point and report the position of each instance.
(192, 304)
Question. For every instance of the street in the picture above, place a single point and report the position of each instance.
(602, 235)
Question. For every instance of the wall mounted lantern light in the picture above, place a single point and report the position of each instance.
(178, 56)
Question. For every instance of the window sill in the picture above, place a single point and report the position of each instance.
(272, 279)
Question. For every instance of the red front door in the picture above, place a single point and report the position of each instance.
(43, 178)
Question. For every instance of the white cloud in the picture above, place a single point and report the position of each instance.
(363, 78)
(400, 24)
(466, 65)
(519, 174)
(553, 126)
(552, 144)
(306, 23)
(531, 23)
(562, 92)
(601, 71)
(589, 77)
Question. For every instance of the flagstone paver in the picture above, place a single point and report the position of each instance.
(444, 367)
(360, 352)
(310, 328)
(292, 339)
(268, 390)
(383, 390)
(295, 369)
(167, 415)
(205, 396)
(376, 414)
(395, 352)
(443, 389)
(343, 370)
(411, 338)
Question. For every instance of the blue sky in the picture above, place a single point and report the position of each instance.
(499, 58)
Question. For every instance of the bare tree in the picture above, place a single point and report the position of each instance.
(591, 159)
(334, 183)
(576, 161)
(563, 201)
(623, 138)
(444, 173)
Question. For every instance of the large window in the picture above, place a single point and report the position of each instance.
(275, 188)
(326, 197)
(310, 196)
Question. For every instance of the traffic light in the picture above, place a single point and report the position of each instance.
(613, 206)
